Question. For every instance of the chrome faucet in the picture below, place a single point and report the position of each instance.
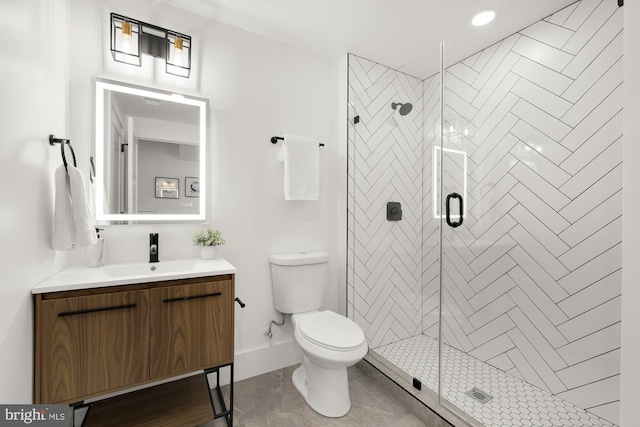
(153, 247)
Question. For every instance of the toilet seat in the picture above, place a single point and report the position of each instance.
(331, 331)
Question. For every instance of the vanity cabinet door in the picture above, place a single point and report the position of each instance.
(92, 344)
(191, 327)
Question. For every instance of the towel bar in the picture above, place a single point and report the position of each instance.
(53, 140)
(275, 139)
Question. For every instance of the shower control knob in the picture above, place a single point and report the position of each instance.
(394, 211)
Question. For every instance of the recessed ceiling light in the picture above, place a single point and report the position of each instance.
(483, 18)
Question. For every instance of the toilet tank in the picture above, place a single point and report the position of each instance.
(298, 281)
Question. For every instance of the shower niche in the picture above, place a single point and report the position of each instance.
(513, 312)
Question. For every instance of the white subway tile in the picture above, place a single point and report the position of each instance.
(540, 186)
(600, 90)
(542, 76)
(541, 120)
(595, 319)
(600, 267)
(534, 311)
(548, 33)
(541, 98)
(595, 70)
(541, 53)
(541, 287)
(603, 290)
(601, 240)
(595, 25)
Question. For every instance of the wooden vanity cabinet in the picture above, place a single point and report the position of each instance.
(190, 327)
(90, 344)
(96, 341)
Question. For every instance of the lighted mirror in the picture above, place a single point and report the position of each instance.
(150, 154)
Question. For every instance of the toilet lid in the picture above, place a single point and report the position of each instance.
(331, 330)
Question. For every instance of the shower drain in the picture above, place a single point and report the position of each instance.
(479, 395)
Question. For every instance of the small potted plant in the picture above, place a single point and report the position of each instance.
(210, 242)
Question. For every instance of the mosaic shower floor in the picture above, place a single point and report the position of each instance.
(514, 402)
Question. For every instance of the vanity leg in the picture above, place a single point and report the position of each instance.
(227, 413)
(80, 406)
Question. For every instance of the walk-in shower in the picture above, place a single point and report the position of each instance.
(513, 316)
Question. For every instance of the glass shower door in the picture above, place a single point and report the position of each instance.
(457, 205)
(479, 253)
(530, 195)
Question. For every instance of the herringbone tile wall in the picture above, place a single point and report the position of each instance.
(385, 164)
(532, 278)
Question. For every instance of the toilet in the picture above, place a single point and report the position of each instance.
(328, 341)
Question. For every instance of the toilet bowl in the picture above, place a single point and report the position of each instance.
(330, 343)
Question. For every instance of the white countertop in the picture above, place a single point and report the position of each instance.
(75, 278)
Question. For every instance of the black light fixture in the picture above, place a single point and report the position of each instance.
(131, 38)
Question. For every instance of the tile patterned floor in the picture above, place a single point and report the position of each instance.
(515, 403)
(271, 400)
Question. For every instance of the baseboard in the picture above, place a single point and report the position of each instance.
(261, 360)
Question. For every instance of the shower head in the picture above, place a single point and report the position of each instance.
(404, 108)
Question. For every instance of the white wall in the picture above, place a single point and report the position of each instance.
(257, 89)
(33, 103)
(630, 392)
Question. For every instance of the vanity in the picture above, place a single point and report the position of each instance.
(140, 344)
(102, 332)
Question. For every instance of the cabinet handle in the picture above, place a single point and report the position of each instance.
(215, 294)
(95, 310)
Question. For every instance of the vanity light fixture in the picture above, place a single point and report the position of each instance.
(177, 45)
(131, 38)
(126, 30)
(483, 18)
(125, 40)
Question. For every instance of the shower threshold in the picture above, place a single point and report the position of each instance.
(514, 401)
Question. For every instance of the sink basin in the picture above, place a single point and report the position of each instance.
(76, 278)
(121, 270)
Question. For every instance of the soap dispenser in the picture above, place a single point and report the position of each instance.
(95, 252)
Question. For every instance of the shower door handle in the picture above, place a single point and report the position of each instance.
(448, 207)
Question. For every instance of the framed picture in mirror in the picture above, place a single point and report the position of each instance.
(191, 186)
(167, 188)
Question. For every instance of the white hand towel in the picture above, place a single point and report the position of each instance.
(63, 227)
(301, 157)
(85, 231)
(72, 225)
